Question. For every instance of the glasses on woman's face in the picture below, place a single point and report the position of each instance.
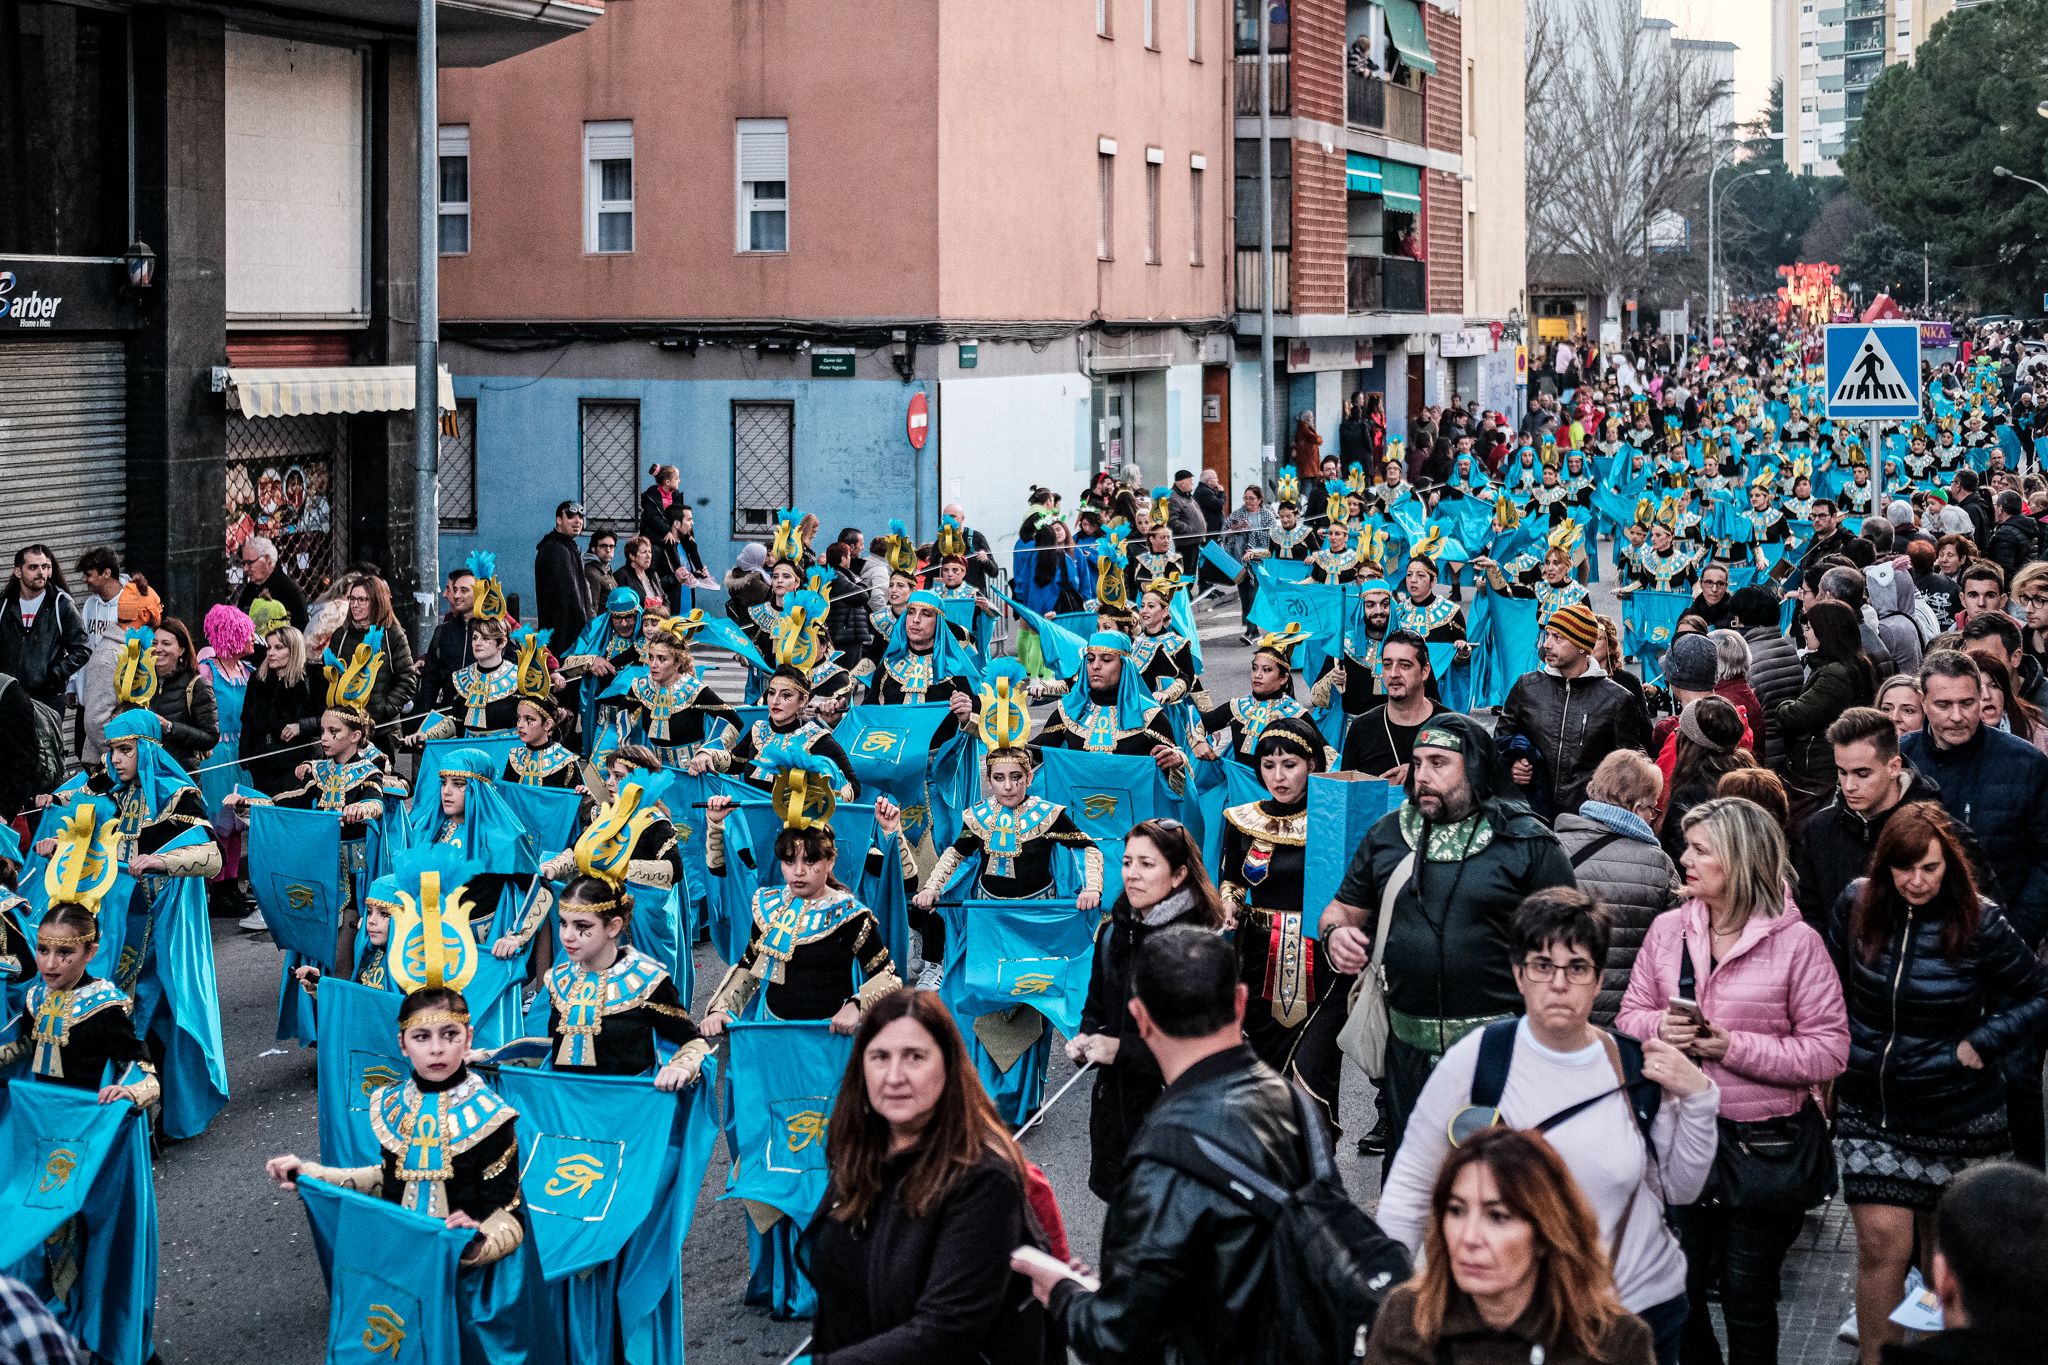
(1578, 971)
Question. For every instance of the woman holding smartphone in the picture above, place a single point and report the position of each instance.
(1736, 980)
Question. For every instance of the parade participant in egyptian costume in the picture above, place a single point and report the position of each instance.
(1165, 657)
(1298, 1002)
(1108, 712)
(1548, 580)
(1292, 538)
(1354, 673)
(450, 1146)
(1337, 560)
(787, 694)
(610, 644)
(73, 1026)
(665, 706)
(1271, 699)
(1439, 620)
(1665, 565)
(372, 943)
(538, 760)
(814, 951)
(487, 688)
(923, 660)
(472, 819)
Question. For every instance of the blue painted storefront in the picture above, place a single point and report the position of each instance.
(852, 462)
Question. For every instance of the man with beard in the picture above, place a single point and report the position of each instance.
(1382, 741)
(1451, 865)
(1355, 675)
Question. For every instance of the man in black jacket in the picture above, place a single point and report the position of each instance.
(263, 576)
(561, 593)
(1965, 492)
(1571, 711)
(1830, 537)
(1448, 955)
(448, 651)
(1181, 1261)
(1834, 846)
(42, 634)
(2016, 539)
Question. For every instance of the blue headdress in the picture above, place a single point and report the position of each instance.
(950, 658)
(1134, 706)
(157, 774)
(490, 835)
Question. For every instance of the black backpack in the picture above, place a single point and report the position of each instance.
(1497, 1054)
(1328, 1266)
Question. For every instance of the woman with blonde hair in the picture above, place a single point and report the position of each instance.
(2030, 599)
(1901, 698)
(1513, 1268)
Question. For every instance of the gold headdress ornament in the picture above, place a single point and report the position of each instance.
(1354, 479)
(605, 849)
(135, 670)
(534, 682)
(1566, 538)
(1005, 722)
(898, 550)
(1372, 542)
(1112, 590)
(1338, 506)
(1802, 467)
(1166, 584)
(806, 789)
(489, 603)
(1282, 642)
(952, 538)
(87, 860)
(682, 627)
(1506, 515)
(1161, 505)
(1667, 512)
(1288, 489)
(800, 632)
(1430, 546)
(1397, 449)
(788, 544)
(430, 943)
(350, 684)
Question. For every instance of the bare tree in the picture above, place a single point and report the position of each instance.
(1621, 135)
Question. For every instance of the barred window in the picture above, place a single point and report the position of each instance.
(611, 464)
(458, 470)
(763, 465)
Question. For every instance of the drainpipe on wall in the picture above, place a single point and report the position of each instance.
(1268, 465)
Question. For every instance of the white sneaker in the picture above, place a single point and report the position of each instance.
(1847, 1331)
(253, 922)
(930, 978)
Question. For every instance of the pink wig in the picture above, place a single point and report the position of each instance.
(230, 631)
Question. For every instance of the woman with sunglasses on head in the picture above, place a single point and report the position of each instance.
(1164, 883)
(1767, 1024)
(1513, 1269)
(1566, 1077)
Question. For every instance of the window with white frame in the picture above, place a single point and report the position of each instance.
(454, 154)
(763, 161)
(1153, 156)
(608, 186)
(1105, 192)
(1196, 165)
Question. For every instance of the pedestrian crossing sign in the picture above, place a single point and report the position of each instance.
(1873, 370)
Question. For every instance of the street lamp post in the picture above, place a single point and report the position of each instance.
(1712, 207)
(2005, 173)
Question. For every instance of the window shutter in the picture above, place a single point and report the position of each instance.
(764, 149)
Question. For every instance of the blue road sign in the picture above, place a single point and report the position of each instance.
(1873, 370)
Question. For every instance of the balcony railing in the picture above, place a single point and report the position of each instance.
(1249, 280)
(1864, 9)
(1385, 284)
(1394, 111)
(1247, 84)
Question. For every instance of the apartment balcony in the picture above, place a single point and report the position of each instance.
(1250, 295)
(1864, 9)
(1385, 284)
(1247, 84)
(1377, 106)
(1860, 75)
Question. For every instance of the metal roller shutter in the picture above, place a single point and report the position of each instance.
(63, 447)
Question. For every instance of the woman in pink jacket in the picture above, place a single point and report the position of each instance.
(1770, 1026)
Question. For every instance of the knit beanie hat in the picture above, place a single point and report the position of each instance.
(1577, 623)
(1692, 663)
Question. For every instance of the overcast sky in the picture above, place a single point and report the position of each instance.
(1746, 23)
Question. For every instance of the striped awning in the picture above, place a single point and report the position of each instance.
(339, 388)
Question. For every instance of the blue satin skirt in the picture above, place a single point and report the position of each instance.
(505, 1313)
(1019, 1091)
(774, 1279)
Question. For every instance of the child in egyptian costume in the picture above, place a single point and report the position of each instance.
(1337, 560)
(468, 816)
(1018, 847)
(1160, 555)
(1297, 1001)
(539, 759)
(165, 958)
(370, 952)
(1271, 698)
(814, 951)
(786, 698)
(663, 704)
(1165, 657)
(449, 1144)
(487, 688)
(1292, 538)
(1546, 577)
(75, 1029)
(348, 780)
(609, 1002)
